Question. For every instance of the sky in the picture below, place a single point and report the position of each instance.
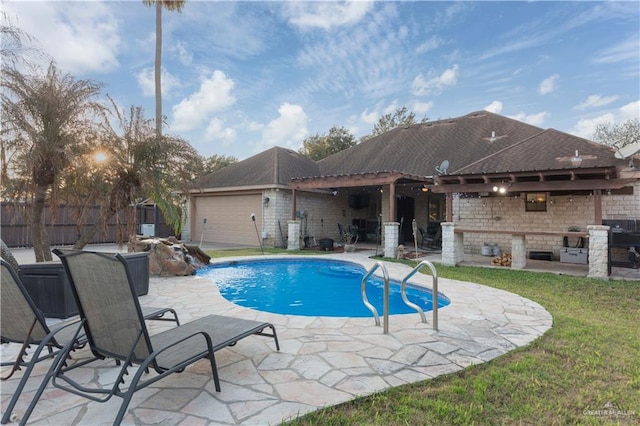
(239, 77)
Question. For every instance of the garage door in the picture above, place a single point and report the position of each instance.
(228, 219)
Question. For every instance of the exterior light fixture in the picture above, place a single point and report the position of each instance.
(500, 189)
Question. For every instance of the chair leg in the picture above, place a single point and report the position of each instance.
(58, 362)
(214, 370)
(6, 416)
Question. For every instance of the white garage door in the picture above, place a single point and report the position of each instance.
(228, 219)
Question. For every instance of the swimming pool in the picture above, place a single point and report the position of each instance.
(309, 287)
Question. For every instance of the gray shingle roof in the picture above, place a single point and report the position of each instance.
(418, 149)
(548, 150)
(275, 166)
(479, 142)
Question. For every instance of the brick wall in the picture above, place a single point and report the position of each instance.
(508, 213)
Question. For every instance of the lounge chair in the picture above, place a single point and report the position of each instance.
(23, 323)
(430, 240)
(102, 286)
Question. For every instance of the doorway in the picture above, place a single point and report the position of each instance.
(405, 213)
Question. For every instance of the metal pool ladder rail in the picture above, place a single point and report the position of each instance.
(385, 298)
(434, 292)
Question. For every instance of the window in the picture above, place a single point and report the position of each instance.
(536, 202)
(437, 208)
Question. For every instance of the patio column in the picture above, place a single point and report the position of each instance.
(598, 251)
(597, 207)
(518, 251)
(391, 232)
(293, 228)
(293, 204)
(452, 245)
(449, 207)
(392, 204)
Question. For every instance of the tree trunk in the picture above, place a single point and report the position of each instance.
(87, 236)
(158, 69)
(41, 247)
(5, 253)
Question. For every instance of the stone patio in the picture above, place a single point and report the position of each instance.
(323, 361)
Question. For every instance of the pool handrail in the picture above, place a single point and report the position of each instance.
(434, 292)
(385, 298)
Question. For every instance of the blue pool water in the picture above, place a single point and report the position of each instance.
(309, 287)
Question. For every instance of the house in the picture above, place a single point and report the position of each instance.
(485, 174)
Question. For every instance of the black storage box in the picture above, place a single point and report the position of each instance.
(540, 255)
(48, 286)
(326, 244)
(139, 269)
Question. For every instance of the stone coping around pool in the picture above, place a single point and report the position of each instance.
(323, 361)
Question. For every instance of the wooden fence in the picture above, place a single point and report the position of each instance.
(63, 228)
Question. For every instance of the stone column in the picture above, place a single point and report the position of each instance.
(186, 220)
(391, 234)
(452, 245)
(518, 252)
(293, 228)
(598, 251)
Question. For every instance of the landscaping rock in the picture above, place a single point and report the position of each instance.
(169, 257)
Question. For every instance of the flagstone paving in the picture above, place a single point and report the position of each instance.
(323, 361)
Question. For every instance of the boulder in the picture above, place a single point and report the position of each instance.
(168, 256)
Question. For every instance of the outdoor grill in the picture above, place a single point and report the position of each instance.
(624, 235)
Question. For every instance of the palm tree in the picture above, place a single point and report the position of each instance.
(41, 118)
(171, 5)
(139, 166)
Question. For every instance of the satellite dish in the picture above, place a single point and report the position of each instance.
(628, 150)
(444, 168)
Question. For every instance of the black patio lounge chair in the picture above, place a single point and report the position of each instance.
(431, 240)
(23, 323)
(108, 306)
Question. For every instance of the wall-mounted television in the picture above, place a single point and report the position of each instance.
(358, 201)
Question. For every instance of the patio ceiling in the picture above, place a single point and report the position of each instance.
(563, 180)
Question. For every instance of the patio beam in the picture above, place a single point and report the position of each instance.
(544, 186)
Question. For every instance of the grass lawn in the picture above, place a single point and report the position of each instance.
(584, 370)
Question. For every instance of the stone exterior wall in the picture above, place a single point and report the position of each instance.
(508, 213)
(622, 206)
(323, 213)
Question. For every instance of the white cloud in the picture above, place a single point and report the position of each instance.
(289, 129)
(629, 111)
(533, 119)
(81, 39)
(185, 57)
(495, 107)
(435, 83)
(431, 44)
(372, 117)
(548, 85)
(422, 107)
(626, 50)
(326, 15)
(586, 127)
(146, 81)
(216, 131)
(214, 95)
(595, 101)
